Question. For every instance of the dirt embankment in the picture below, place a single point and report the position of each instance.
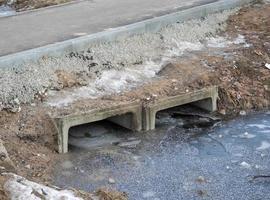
(245, 80)
(240, 72)
(22, 5)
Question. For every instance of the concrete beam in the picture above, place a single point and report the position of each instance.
(150, 25)
(127, 115)
(205, 98)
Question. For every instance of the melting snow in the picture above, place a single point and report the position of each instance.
(264, 145)
(22, 189)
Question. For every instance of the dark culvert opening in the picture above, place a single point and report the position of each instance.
(100, 133)
(186, 116)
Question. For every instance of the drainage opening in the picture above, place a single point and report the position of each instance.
(100, 133)
(186, 116)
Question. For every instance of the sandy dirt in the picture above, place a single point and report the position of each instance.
(244, 84)
(23, 5)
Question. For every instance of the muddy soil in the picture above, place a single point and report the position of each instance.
(23, 5)
(239, 71)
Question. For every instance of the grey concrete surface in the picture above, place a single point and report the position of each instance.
(47, 26)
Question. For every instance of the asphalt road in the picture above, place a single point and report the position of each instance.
(46, 26)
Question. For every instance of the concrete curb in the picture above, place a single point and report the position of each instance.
(150, 25)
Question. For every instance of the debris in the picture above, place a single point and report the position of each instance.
(129, 144)
(222, 111)
(18, 187)
(5, 162)
(28, 166)
(264, 145)
(148, 194)
(267, 65)
(111, 181)
(243, 113)
(201, 179)
(261, 176)
(247, 135)
(245, 165)
(107, 194)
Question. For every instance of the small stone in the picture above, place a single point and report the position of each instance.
(247, 135)
(222, 111)
(111, 181)
(245, 165)
(243, 113)
(28, 166)
(267, 65)
(201, 179)
(129, 144)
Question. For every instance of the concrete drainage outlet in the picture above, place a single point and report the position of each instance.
(133, 115)
(205, 98)
(128, 116)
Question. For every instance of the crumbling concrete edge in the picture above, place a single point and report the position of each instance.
(82, 43)
(205, 98)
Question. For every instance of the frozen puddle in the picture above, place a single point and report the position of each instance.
(175, 163)
(6, 11)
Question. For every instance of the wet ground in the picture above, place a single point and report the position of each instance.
(186, 157)
(6, 11)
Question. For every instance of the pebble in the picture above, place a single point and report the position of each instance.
(222, 111)
(245, 165)
(243, 113)
(111, 181)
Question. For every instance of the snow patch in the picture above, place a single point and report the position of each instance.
(264, 145)
(221, 42)
(20, 188)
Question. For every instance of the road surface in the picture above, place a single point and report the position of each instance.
(50, 25)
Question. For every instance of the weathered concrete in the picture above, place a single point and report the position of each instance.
(205, 98)
(127, 115)
(82, 43)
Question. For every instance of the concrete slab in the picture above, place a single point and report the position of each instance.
(126, 115)
(205, 98)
